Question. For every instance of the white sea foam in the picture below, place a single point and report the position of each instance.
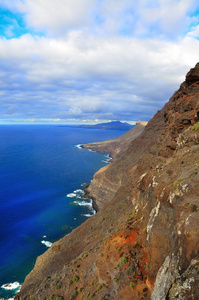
(11, 286)
(88, 215)
(44, 236)
(91, 150)
(106, 161)
(71, 195)
(79, 146)
(47, 243)
(79, 191)
(83, 203)
(76, 193)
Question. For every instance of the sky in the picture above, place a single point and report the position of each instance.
(90, 61)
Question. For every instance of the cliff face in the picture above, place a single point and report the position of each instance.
(143, 242)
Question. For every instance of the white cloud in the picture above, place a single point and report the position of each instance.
(53, 17)
(164, 18)
(106, 79)
(99, 60)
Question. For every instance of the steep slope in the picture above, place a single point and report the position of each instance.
(116, 147)
(143, 242)
(110, 178)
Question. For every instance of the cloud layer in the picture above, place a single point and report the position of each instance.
(117, 60)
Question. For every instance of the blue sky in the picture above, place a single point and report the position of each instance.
(91, 61)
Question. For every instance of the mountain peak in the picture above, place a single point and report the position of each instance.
(193, 75)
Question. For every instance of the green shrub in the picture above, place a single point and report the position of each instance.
(99, 287)
(58, 286)
(124, 259)
(59, 298)
(134, 213)
(75, 279)
(132, 285)
(93, 281)
(175, 184)
(91, 296)
(84, 255)
(195, 127)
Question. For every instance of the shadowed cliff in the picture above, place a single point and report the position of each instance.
(143, 243)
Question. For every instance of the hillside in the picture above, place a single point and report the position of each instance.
(119, 145)
(143, 242)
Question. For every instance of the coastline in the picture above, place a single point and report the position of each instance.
(93, 201)
(86, 194)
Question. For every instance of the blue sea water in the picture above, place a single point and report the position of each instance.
(39, 167)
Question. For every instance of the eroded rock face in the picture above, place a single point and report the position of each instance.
(143, 243)
(186, 286)
(165, 277)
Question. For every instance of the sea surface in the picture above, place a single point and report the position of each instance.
(41, 175)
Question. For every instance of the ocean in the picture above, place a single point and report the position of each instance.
(41, 175)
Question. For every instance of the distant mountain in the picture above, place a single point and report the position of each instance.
(115, 125)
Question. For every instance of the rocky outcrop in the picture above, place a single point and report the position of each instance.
(185, 287)
(143, 242)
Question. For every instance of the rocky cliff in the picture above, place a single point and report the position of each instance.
(143, 242)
